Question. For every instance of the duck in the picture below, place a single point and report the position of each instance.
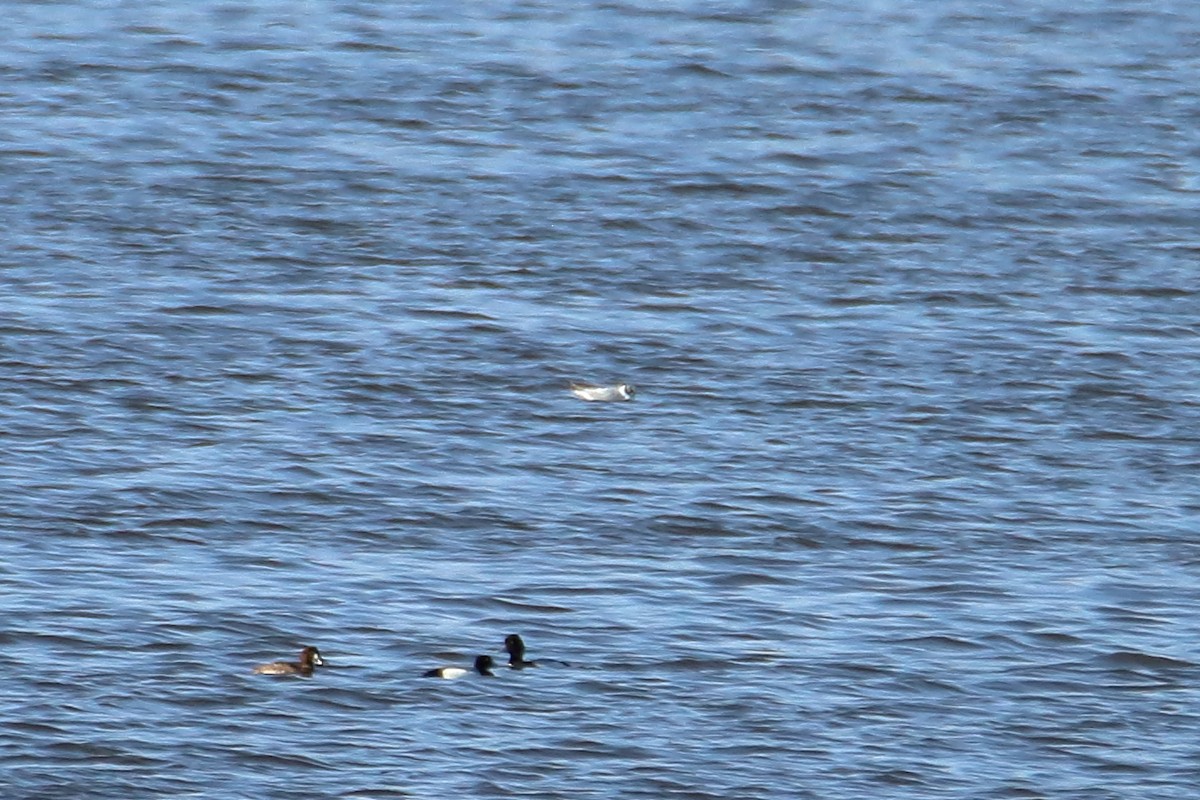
(593, 393)
(310, 657)
(483, 665)
(514, 645)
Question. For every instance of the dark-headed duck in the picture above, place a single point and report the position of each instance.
(483, 665)
(515, 647)
(309, 657)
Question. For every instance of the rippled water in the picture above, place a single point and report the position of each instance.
(906, 505)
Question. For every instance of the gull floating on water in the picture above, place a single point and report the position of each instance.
(589, 391)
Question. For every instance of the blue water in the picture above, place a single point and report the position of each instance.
(906, 505)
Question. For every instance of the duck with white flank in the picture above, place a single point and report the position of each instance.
(483, 665)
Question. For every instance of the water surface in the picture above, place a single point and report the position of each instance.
(906, 505)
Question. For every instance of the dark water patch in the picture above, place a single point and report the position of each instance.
(873, 543)
(385, 792)
(1056, 638)
(1136, 660)
(939, 642)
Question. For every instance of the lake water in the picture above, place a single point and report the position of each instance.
(906, 505)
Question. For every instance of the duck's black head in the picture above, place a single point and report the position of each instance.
(516, 652)
(515, 647)
(484, 664)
